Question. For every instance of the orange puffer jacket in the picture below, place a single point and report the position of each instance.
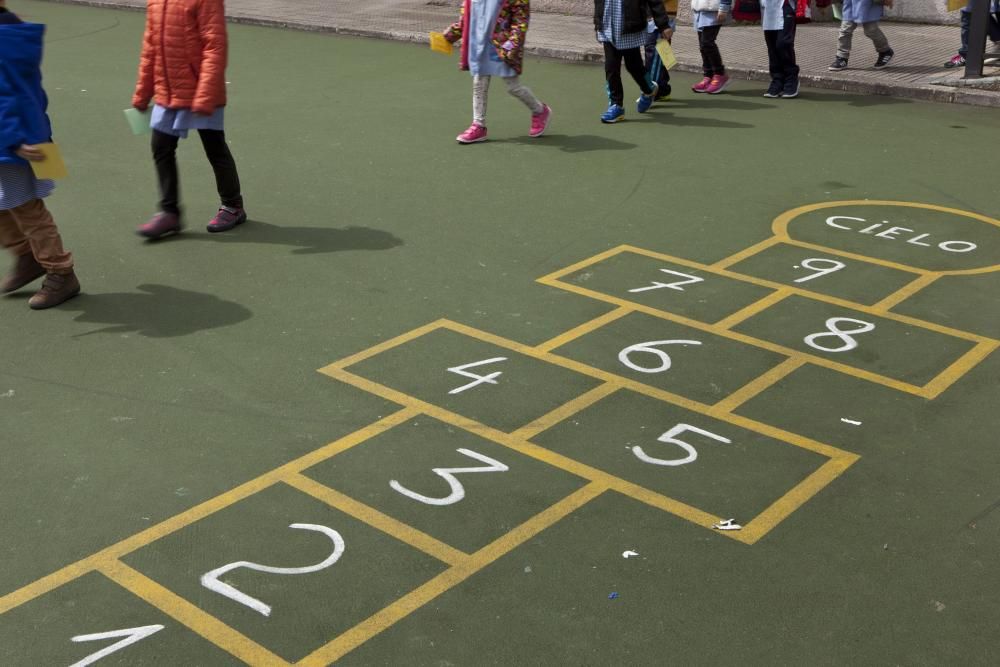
(183, 62)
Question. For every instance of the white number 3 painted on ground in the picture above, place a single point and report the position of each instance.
(457, 490)
(670, 437)
(131, 636)
(210, 580)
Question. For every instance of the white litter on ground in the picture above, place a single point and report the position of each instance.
(728, 524)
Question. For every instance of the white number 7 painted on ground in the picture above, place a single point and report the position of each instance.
(131, 636)
(210, 580)
(689, 280)
(448, 474)
(670, 437)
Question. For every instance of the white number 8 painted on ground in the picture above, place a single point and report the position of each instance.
(210, 580)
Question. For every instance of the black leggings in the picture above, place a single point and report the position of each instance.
(711, 59)
(227, 180)
(613, 71)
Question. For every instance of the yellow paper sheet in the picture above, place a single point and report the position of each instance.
(666, 53)
(440, 44)
(52, 166)
(954, 5)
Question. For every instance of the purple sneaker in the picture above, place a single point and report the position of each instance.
(227, 218)
(160, 225)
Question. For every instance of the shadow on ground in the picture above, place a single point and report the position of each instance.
(307, 240)
(580, 143)
(155, 311)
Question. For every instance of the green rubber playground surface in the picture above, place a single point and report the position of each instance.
(419, 409)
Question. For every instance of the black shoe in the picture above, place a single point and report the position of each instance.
(791, 88)
(884, 59)
(838, 64)
(774, 90)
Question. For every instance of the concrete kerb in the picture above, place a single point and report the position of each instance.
(930, 93)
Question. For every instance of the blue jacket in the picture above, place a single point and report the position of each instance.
(22, 100)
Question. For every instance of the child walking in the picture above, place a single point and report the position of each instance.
(709, 16)
(778, 21)
(26, 226)
(493, 34)
(993, 32)
(656, 72)
(621, 28)
(867, 13)
(183, 70)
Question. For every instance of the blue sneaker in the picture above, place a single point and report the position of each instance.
(614, 114)
(645, 101)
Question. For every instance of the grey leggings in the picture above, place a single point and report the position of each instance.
(481, 89)
(872, 32)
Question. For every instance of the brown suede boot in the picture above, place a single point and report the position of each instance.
(25, 270)
(57, 288)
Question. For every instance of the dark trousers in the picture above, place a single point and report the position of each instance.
(655, 71)
(227, 180)
(992, 26)
(781, 49)
(711, 59)
(613, 71)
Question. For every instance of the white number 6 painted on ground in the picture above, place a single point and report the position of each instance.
(210, 580)
(670, 437)
(448, 474)
(650, 348)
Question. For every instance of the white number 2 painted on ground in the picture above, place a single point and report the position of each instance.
(448, 474)
(832, 266)
(844, 335)
(670, 437)
(131, 636)
(650, 348)
(477, 379)
(210, 580)
(689, 280)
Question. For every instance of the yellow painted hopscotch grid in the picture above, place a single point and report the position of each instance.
(982, 348)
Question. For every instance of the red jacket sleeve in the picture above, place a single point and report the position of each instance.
(212, 77)
(147, 59)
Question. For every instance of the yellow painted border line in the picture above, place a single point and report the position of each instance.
(376, 519)
(448, 579)
(583, 329)
(754, 308)
(957, 370)
(383, 346)
(905, 292)
(582, 264)
(758, 385)
(194, 618)
(565, 411)
(198, 512)
(747, 253)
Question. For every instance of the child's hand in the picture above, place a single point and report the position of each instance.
(668, 34)
(887, 3)
(141, 108)
(721, 16)
(30, 153)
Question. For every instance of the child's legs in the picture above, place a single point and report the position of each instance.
(227, 180)
(773, 59)
(165, 157)
(966, 22)
(613, 74)
(633, 63)
(655, 71)
(36, 225)
(845, 39)
(523, 93)
(480, 93)
(786, 45)
(711, 59)
(874, 33)
(11, 236)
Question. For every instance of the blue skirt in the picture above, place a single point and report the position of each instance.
(18, 186)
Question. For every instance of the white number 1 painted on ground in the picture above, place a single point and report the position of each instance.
(448, 474)
(688, 280)
(670, 437)
(210, 580)
(131, 636)
(477, 379)
(832, 266)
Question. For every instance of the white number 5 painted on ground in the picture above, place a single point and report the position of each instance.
(448, 474)
(210, 580)
(650, 348)
(670, 437)
(131, 636)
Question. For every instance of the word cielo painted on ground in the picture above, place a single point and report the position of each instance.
(925, 237)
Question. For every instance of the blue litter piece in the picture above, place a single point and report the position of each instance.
(613, 596)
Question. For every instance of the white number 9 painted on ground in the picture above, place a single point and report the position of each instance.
(832, 266)
(210, 580)
(650, 348)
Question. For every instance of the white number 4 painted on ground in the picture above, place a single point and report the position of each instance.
(131, 636)
(448, 474)
(210, 580)
(477, 379)
(670, 437)
(689, 280)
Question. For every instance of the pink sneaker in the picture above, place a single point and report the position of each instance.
(702, 85)
(540, 121)
(473, 135)
(718, 84)
(160, 225)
